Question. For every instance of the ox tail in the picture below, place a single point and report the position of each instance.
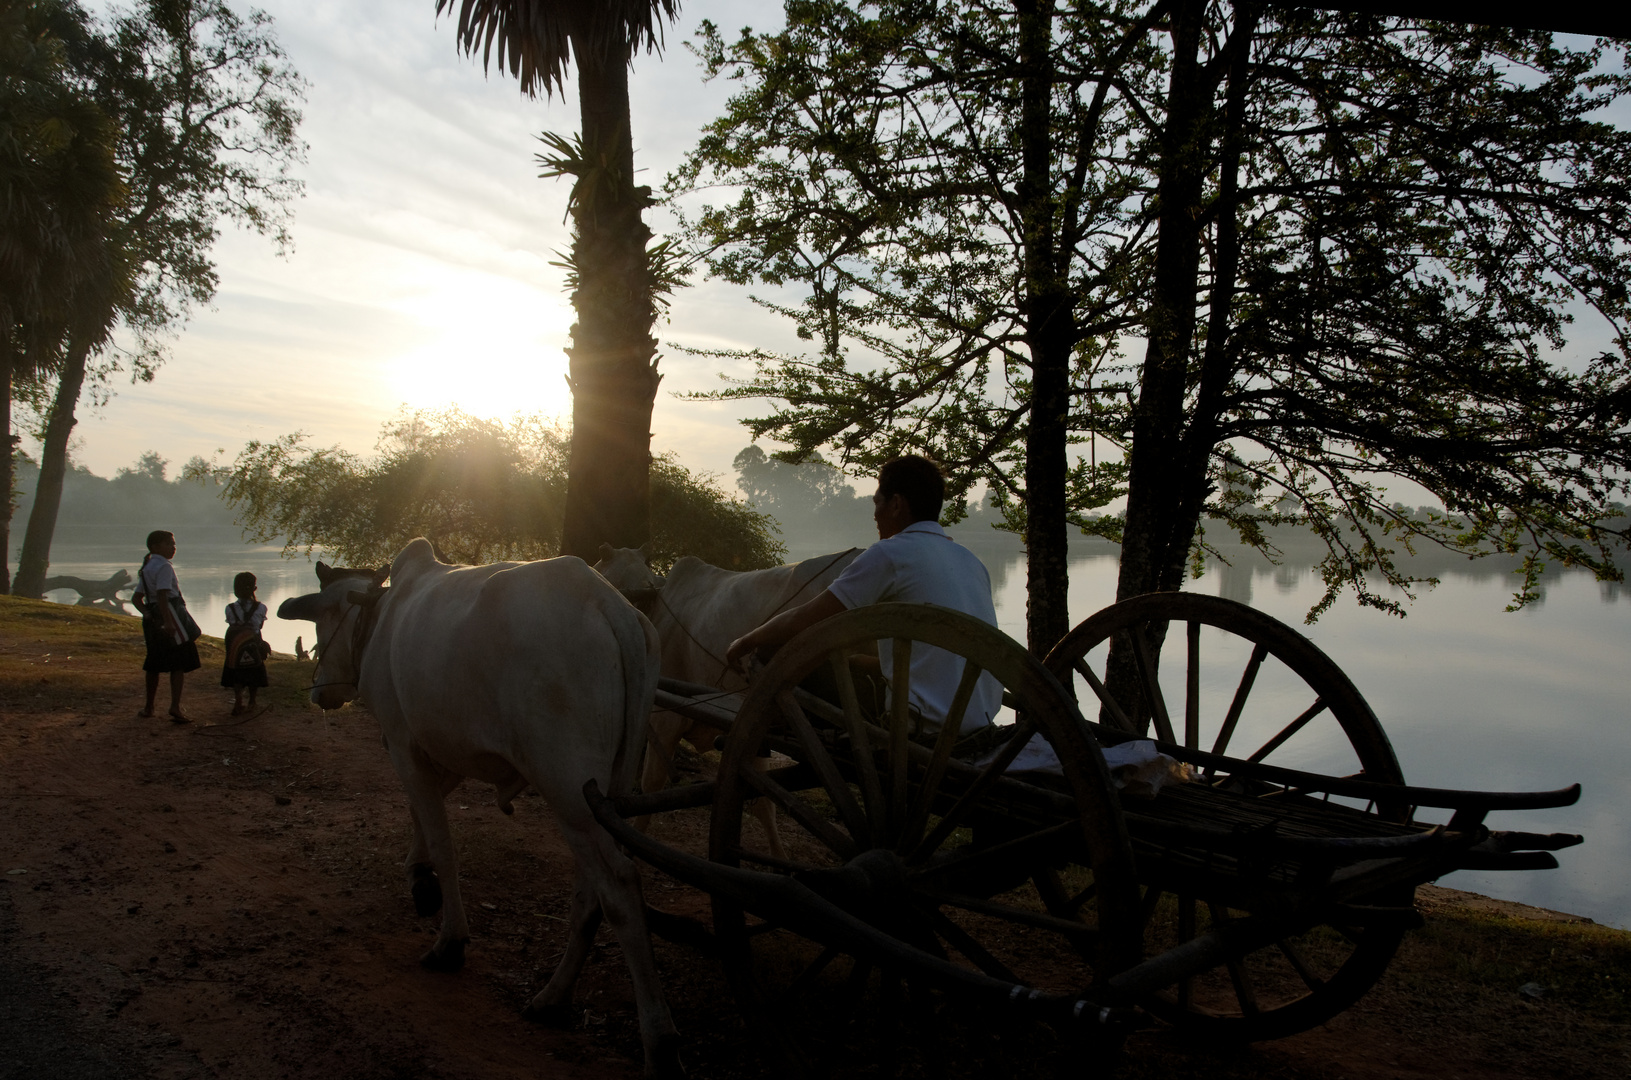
(641, 652)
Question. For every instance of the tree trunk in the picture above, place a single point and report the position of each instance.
(7, 467)
(612, 358)
(1050, 334)
(1155, 541)
(42, 518)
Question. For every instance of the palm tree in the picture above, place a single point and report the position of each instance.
(612, 357)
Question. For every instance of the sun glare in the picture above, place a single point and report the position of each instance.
(491, 346)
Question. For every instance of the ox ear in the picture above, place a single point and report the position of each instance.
(300, 608)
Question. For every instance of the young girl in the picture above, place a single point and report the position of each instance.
(169, 640)
(245, 666)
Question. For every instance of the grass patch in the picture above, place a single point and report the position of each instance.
(1578, 965)
(57, 656)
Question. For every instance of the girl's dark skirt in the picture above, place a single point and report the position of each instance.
(163, 654)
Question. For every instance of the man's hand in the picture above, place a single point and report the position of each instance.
(783, 627)
(739, 649)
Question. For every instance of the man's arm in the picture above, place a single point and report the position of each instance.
(784, 627)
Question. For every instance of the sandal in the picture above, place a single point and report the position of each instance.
(145, 714)
(238, 710)
(179, 717)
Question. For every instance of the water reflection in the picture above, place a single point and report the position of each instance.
(1471, 696)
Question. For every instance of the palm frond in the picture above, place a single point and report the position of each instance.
(535, 39)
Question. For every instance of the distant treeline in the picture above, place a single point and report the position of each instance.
(819, 508)
(816, 507)
(141, 493)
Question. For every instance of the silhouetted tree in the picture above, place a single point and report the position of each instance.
(1351, 245)
(205, 106)
(58, 186)
(614, 278)
(483, 491)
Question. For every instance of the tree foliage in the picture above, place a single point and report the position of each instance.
(59, 187)
(483, 491)
(59, 180)
(203, 106)
(811, 486)
(1354, 247)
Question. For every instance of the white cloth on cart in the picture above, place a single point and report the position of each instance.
(1137, 768)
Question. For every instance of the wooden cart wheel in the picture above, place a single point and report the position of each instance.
(929, 849)
(1217, 676)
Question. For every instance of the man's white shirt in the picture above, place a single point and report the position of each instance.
(922, 565)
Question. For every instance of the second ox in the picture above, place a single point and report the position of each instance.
(515, 674)
(698, 610)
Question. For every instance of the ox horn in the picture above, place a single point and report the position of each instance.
(366, 599)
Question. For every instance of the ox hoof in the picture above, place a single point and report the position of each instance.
(559, 1015)
(444, 958)
(663, 1062)
(427, 891)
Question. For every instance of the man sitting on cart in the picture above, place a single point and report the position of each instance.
(913, 562)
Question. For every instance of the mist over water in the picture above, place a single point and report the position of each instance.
(1470, 695)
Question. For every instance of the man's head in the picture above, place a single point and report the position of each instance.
(910, 489)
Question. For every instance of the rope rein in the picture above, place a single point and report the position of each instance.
(367, 614)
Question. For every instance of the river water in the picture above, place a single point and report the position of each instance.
(1471, 696)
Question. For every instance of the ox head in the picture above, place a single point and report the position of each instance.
(342, 610)
(629, 573)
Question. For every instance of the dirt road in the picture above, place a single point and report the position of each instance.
(226, 899)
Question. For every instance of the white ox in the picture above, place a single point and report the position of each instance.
(698, 611)
(514, 674)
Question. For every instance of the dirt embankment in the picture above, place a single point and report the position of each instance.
(226, 899)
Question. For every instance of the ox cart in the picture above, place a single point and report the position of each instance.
(1256, 900)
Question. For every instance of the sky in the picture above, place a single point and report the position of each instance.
(420, 273)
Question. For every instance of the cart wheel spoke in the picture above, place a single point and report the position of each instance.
(1008, 860)
(1245, 992)
(817, 757)
(972, 950)
(900, 720)
(1238, 704)
(1150, 674)
(950, 732)
(989, 775)
(1239, 977)
(1073, 930)
(1107, 703)
(1186, 918)
(1146, 910)
(1288, 731)
(1299, 963)
(1352, 933)
(1192, 687)
(806, 978)
(802, 812)
(855, 726)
